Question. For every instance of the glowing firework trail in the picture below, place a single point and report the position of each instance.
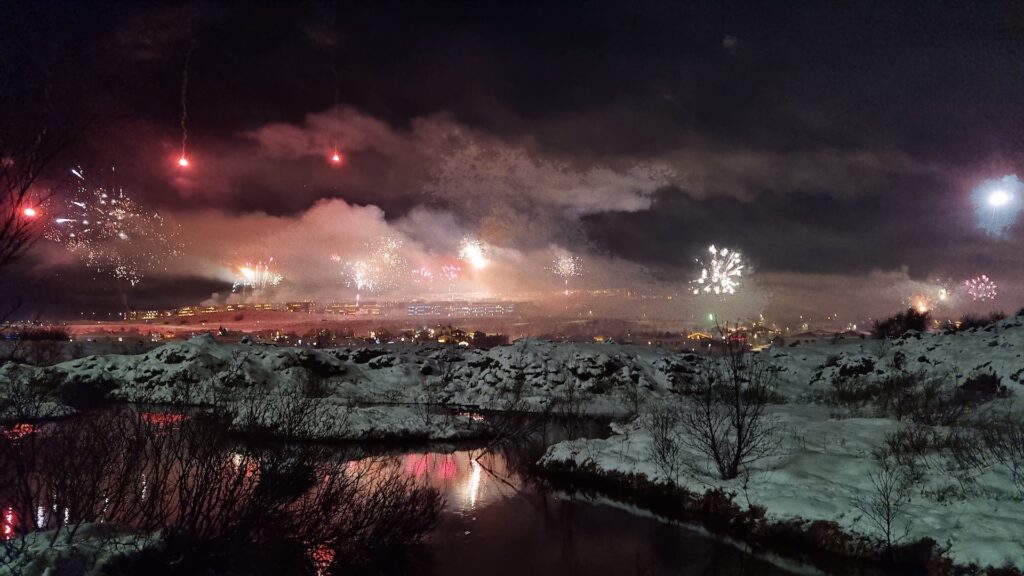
(113, 234)
(183, 159)
(450, 273)
(257, 278)
(981, 288)
(474, 252)
(567, 266)
(721, 275)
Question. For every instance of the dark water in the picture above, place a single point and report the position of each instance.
(497, 518)
(497, 521)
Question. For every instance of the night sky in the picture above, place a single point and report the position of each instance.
(835, 144)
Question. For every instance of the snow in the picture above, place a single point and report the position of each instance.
(87, 553)
(380, 392)
(823, 468)
(824, 464)
(202, 372)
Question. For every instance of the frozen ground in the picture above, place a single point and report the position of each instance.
(53, 552)
(824, 465)
(821, 472)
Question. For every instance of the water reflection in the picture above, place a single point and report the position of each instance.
(225, 506)
(467, 479)
(220, 506)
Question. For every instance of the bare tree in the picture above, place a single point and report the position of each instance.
(570, 403)
(29, 141)
(885, 505)
(726, 419)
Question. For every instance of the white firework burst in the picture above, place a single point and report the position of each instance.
(475, 252)
(567, 266)
(721, 275)
(112, 233)
(383, 269)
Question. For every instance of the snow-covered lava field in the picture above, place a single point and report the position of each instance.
(920, 427)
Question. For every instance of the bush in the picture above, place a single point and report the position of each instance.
(899, 324)
(38, 333)
(666, 443)
(1004, 442)
(923, 399)
(968, 321)
(984, 386)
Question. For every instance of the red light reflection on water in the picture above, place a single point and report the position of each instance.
(448, 469)
(17, 431)
(431, 465)
(7, 528)
(162, 419)
(322, 556)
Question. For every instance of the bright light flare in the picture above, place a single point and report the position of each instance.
(999, 198)
(474, 252)
(30, 212)
(997, 204)
(336, 158)
(183, 162)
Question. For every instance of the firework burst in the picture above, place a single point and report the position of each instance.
(475, 252)
(567, 266)
(981, 288)
(721, 275)
(922, 303)
(113, 234)
(451, 273)
(256, 277)
(382, 269)
(422, 275)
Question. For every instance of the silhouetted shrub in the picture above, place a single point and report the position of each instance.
(38, 333)
(984, 386)
(899, 324)
(969, 321)
(923, 399)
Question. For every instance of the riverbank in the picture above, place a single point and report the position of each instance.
(815, 495)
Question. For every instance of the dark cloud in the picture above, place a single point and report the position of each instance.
(836, 146)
